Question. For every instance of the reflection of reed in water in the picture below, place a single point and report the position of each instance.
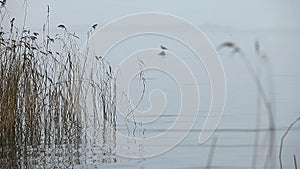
(42, 101)
(100, 120)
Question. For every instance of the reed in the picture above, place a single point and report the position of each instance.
(211, 153)
(295, 161)
(43, 91)
(282, 142)
(262, 96)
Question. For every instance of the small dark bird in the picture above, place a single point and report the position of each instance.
(35, 33)
(162, 53)
(94, 26)
(163, 47)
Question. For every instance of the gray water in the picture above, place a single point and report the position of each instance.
(280, 76)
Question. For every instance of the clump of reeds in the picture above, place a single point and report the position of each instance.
(42, 90)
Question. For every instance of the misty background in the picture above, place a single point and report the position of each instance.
(273, 23)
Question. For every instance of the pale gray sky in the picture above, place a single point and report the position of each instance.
(79, 15)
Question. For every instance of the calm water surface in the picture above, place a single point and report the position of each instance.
(280, 74)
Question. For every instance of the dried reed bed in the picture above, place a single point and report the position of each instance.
(43, 92)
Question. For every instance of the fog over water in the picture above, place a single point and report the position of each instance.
(271, 23)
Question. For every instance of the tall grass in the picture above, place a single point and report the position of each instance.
(43, 92)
